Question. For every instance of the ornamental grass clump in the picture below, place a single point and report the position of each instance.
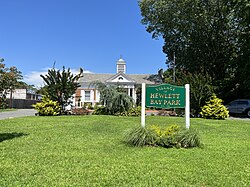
(171, 136)
(187, 138)
(140, 137)
(214, 109)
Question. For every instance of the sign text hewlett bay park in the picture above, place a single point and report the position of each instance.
(166, 96)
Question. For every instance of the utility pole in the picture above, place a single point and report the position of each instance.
(174, 68)
(174, 72)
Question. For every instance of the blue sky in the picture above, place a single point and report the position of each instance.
(91, 34)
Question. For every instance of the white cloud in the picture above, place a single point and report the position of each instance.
(33, 78)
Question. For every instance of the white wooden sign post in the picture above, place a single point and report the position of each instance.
(166, 96)
(187, 105)
(143, 101)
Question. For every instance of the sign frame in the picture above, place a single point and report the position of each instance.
(164, 98)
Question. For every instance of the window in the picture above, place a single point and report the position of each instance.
(234, 103)
(120, 78)
(242, 103)
(120, 68)
(87, 95)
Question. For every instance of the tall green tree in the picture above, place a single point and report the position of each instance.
(241, 10)
(207, 37)
(201, 87)
(9, 80)
(60, 86)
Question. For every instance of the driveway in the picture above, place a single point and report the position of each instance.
(18, 113)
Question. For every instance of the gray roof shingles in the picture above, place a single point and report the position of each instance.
(138, 78)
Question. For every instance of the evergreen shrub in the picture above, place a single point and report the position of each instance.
(47, 107)
(214, 109)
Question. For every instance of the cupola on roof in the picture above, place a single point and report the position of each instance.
(121, 65)
(121, 61)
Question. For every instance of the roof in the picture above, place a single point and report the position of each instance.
(90, 77)
(118, 75)
(121, 61)
(137, 78)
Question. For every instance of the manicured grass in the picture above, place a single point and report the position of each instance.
(88, 151)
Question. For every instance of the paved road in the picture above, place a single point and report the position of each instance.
(239, 118)
(17, 113)
(31, 112)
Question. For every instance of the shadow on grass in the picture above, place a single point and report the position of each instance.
(8, 136)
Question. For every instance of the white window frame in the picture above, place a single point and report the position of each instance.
(87, 95)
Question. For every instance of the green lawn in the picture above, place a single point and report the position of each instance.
(88, 151)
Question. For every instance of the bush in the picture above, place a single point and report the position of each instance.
(172, 136)
(214, 109)
(47, 107)
(80, 111)
(167, 113)
(165, 137)
(187, 138)
(88, 106)
(139, 137)
(100, 110)
(3, 102)
(169, 131)
(135, 111)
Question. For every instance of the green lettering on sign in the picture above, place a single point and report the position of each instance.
(165, 96)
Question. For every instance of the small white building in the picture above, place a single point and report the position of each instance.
(24, 94)
(130, 83)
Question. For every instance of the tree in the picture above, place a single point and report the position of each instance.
(207, 37)
(241, 10)
(114, 100)
(9, 80)
(24, 85)
(122, 102)
(60, 86)
(201, 87)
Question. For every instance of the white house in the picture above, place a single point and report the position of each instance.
(23, 94)
(130, 83)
